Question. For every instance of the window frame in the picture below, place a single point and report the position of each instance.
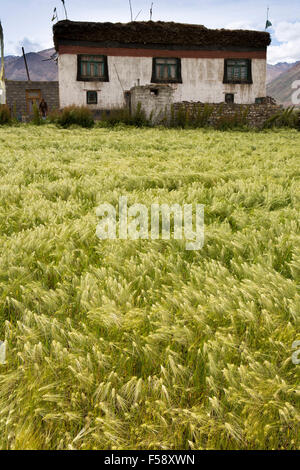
(248, 81)
(154, 78)
(87, 97)
(81, 78)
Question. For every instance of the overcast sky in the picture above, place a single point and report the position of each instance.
(28, 22)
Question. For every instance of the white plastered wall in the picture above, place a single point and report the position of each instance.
(202, 81)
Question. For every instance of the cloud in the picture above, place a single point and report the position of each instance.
(285, 45)
(288, 49)
(285, 31)
(29, 45)
(15, 48)
(242, 25)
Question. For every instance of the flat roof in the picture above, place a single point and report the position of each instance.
(143, 33)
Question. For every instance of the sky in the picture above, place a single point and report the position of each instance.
(28, 22)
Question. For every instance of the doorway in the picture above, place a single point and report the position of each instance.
(33, 97)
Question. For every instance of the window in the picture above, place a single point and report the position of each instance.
(229, 98)
(92, 68)
(166, 70)
(260, 100)
(154, 91)
(92, 97)
(238, 71)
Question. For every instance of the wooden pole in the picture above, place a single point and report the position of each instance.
(24, 56)
(2, 68)
(2, 75)
(131, 12)
(63, 2)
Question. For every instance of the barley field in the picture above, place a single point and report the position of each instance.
(141, 344)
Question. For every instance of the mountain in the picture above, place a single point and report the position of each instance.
(281, 88)
(273, 71)
(40, 66)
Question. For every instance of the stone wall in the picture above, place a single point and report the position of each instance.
(159, 103)
(16, 95)
(154, 99)
(254, 115)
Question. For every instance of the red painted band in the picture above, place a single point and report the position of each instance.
(188, 54)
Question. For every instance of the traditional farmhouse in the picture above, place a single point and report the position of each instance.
(100, 64)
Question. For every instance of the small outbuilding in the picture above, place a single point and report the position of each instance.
(21, 96)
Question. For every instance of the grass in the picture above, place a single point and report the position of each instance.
(141, 344)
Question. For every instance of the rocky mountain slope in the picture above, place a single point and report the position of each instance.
(281, 87)
(40, 66)
(273, 71)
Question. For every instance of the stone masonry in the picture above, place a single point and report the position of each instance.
(255, 115)
(155, 100)
(16, 95)
(158, 103)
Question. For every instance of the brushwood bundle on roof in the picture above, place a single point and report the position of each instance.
(158, 33)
